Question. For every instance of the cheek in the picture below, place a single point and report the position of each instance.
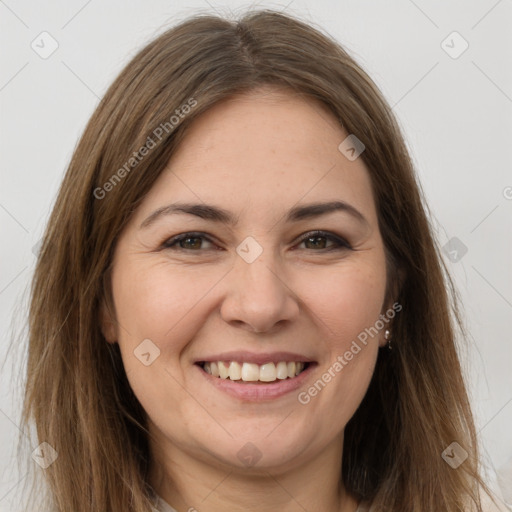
(347, 303)
(167, 305)
(157, 302)
(347, 300)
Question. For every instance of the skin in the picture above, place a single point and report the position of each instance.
(256, 155)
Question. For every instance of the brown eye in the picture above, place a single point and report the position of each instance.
(319, 240)
(187, 241)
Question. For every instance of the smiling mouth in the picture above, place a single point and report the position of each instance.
(250, 372)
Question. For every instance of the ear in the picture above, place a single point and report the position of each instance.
(391, 309)
(395, 277)
(107, 323)
(382, 337)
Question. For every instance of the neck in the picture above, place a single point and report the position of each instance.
(191, 483)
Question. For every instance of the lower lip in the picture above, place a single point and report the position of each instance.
(255, 392)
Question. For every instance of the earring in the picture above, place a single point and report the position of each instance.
(387, 336)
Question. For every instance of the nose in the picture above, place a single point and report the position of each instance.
(258, 298)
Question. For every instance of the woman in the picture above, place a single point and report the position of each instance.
(239, 304)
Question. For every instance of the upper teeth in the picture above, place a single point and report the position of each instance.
(250, 372)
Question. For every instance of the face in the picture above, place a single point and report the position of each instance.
(260, 291)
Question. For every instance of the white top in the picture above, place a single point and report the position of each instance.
(162, 506)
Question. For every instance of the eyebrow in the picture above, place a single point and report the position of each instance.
(220, 215)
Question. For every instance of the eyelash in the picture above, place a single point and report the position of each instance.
(341, 243)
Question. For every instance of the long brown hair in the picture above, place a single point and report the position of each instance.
(77, 393)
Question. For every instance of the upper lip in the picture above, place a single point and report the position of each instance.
(256, 358)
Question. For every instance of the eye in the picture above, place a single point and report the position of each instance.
(314, 238)
(186, 241)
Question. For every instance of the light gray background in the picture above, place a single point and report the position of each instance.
(455, 112)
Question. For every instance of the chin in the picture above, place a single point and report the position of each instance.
(263, 448)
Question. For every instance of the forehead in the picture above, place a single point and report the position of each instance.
(268, 149)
